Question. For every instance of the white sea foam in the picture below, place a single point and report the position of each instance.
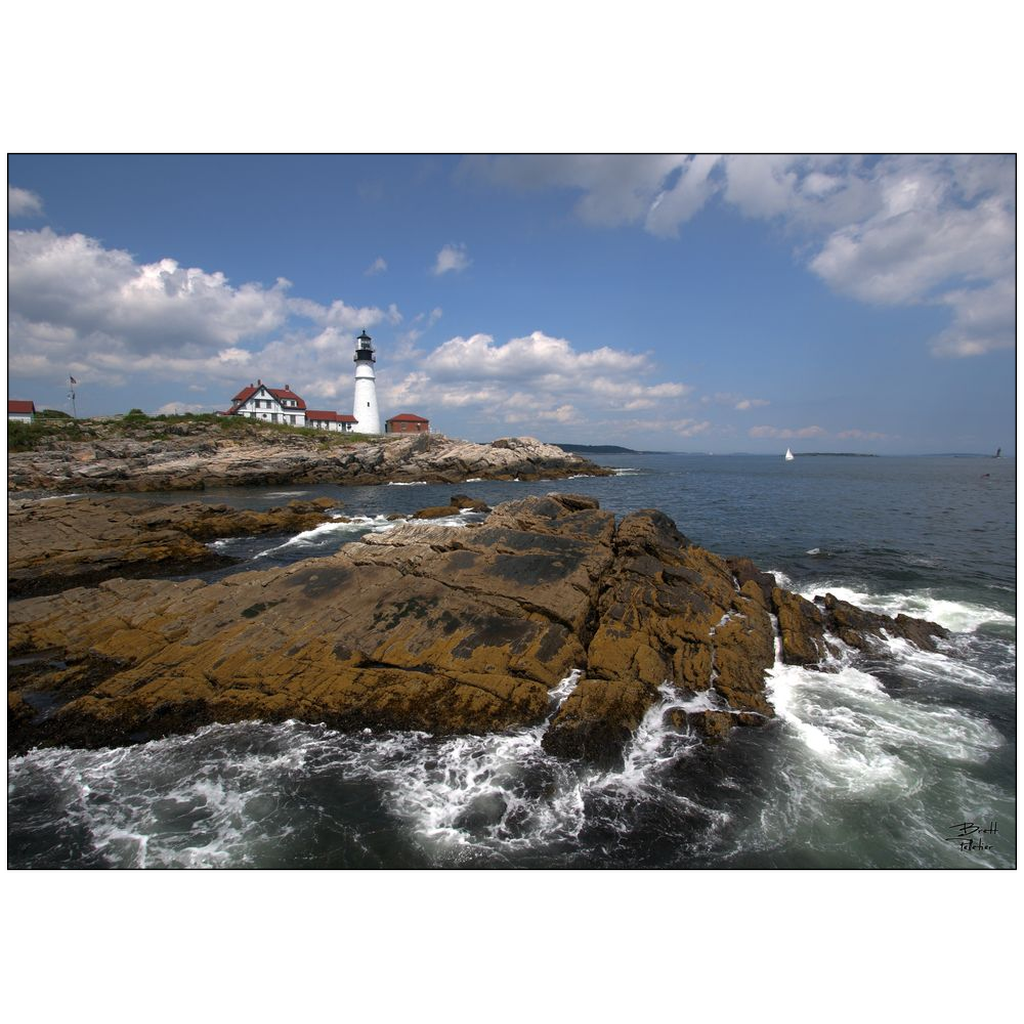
(285, 494)
(313, 537)
(957, 616)
(931, 668)
(850, 748)
(407, 483)
(781, 579)
(626, 471)
(656, 742)
(498, 791)
(861, 736)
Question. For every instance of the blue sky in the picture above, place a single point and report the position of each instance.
(692, 304)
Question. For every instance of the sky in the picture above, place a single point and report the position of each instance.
(681, 303)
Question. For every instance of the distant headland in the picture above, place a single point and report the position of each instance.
(605, 449)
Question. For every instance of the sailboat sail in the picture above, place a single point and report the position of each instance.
(789, 456)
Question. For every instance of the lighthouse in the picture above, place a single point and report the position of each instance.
(364, 406)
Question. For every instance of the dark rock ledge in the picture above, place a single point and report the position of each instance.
(449, 630)
(61, 543)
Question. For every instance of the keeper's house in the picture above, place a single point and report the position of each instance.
(324, 419)
(21, 412)
(278, 405)
(407, 423)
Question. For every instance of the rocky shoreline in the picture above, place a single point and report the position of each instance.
(190, 456)
(61, 543)
(438, 628)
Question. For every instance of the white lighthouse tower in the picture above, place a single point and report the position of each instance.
(364, 405)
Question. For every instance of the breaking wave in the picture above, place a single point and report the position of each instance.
(957, 616)
(254, 795)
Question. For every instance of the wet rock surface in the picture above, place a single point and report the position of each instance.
(68, 542)
(440, 628)
(198, 457)
(806, 628)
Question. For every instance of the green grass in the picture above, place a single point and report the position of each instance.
(27, 437)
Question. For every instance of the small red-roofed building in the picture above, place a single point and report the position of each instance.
(324, 419)
(407, 423)
(20, 412)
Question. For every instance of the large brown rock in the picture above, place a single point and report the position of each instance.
(445, 629)
(599, 719)
(802, 628)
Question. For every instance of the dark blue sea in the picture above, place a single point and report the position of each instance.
(901, 760)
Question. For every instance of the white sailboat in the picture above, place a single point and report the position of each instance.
(789, 456)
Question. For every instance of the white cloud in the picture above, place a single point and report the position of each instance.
(180, 408)
(76, 306)
(944, 234)
(72, 281)
(533, 356)
(984, 319)
(451, 258)
(339, 316)
(378, 266)
(533, 378)
(678, 203)
(418, 326)
(786, 432)
(616, 189)
(22, 203)
(690, 428)
(862, 435)
(894, 230)
(734, 401)
(563, 414)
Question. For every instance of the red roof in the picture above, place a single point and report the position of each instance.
(331, 417)
(282, 393)
(407, 417)
(19, 406)
(279, 393)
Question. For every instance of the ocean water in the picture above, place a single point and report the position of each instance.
(904, 759)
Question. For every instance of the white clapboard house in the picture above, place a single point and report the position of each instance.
(282, 405)
(277, 405)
